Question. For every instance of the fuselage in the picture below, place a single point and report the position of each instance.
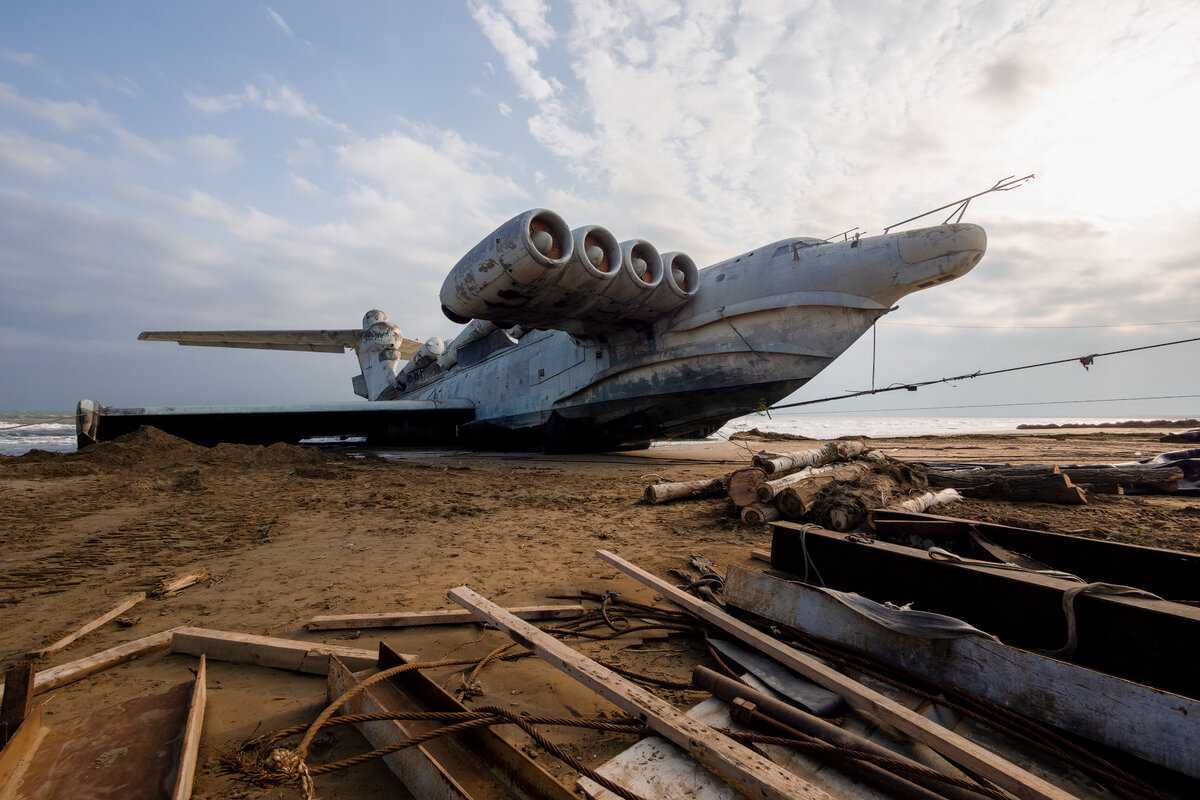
(762, 324)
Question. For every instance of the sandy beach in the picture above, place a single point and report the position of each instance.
(291, 532)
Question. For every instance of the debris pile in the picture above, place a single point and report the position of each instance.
(840, 483)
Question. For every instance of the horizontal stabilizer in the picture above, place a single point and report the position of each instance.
(314, 341)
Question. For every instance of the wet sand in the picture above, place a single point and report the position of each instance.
(289, 533)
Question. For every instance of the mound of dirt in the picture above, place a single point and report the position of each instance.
(150, 449)
(1186, 436)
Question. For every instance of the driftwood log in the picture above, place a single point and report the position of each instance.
(758, 514)
(1135, 480)
(844, 506)
(926, 501)
(743, 485)
(796, 499)
(789, 462)
(677, 490)
(1056, 488)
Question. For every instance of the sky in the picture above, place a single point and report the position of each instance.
(235, 165)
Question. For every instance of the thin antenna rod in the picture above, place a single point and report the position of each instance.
(960, 206)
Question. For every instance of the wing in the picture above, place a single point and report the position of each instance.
(314, 341)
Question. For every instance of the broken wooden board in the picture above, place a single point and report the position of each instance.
(1160, 727)
(54, 677)
(126, 752)
(1170, 573)
(18, 753)
(741, 767)
(1009, 776)
(1156, 642)
(189, 746)
(120, 608)
(268, 651)
(411, 619)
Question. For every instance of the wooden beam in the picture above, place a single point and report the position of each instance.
(18, 699)
(415, 767)
(742, 768)
(1173, 574)
(17, 755)
(268, 651)
(120, 608)
(962, 751)
(454, 616)
(189, 747)
(1156, 642)
(54, 677)
(1157, 726)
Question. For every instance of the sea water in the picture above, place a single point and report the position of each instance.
(21, 432)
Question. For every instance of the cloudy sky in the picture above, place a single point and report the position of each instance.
(225, 165)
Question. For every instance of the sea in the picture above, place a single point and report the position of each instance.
(23, 431)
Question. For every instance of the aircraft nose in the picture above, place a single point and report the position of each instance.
(925, 244)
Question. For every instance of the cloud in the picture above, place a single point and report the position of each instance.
(280, 22)
(282, 99)
(530, 17)
(519, 55)
(31, 156)
(504, 108)
(71, 116)
(17, 57)
(303, 185)
(218, 152)
(67, 115)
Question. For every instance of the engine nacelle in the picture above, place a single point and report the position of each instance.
(681, 281)
(475, 330)
(502, 274)
(640, 274)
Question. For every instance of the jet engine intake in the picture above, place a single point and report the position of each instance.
(499, 276)
(640, 274)
(680, 282)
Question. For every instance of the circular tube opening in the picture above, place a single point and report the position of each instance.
(548, 237)
(681, 273)
(643, 262)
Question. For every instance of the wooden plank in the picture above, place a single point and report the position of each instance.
(127, 751)
(1173, 574)
(120, 608)
(18, 699)
(1009, 776)
(743, 768)
(454, 616)
(415, 767)
(169, 587)
(1157, 726)
(268, 651)
(72, 671)
(189, 747)
(17, 755)
(1156, 642)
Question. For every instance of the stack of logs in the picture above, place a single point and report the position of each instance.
(838, 484)
(835, 485)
